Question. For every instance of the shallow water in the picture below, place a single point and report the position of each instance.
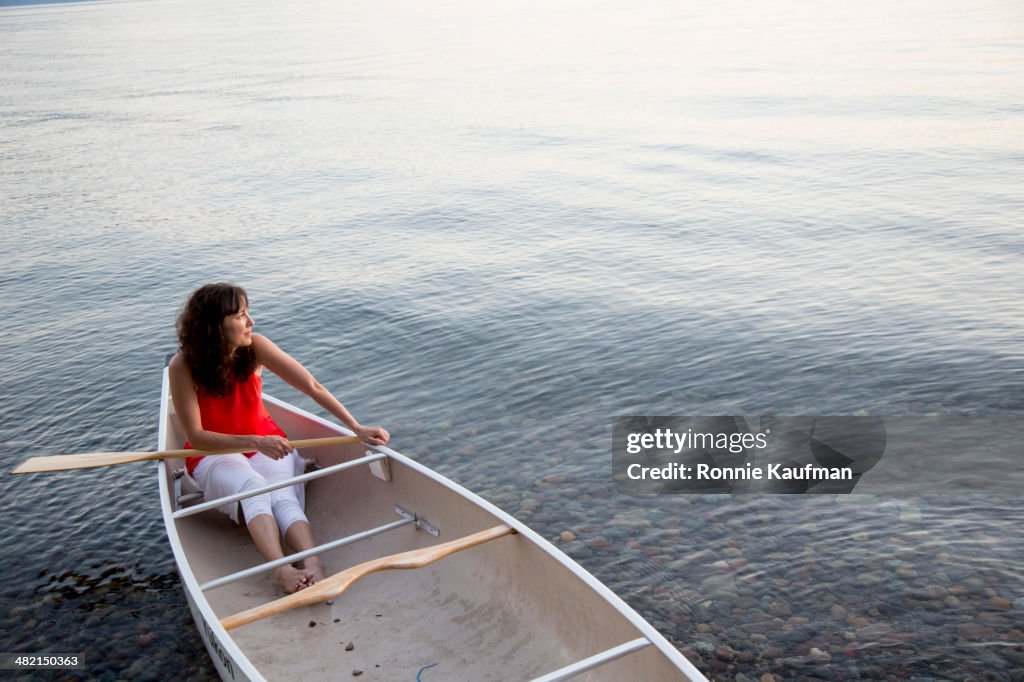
(495, 228)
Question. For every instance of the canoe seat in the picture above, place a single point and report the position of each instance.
(186, 489)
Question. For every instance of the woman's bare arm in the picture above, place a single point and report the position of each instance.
(300, 378)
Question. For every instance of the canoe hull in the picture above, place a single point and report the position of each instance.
(513, 608)
(227, 667)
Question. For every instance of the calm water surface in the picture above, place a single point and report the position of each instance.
(494, 227)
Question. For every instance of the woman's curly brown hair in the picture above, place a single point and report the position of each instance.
(201, 338)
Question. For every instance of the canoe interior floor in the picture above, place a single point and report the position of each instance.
(397, 621)
(452, 613)
(397, 624)
(504, 610)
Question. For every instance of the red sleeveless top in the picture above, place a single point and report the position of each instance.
(239, 413)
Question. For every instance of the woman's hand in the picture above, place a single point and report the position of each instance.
(374, 435)
(273, 447)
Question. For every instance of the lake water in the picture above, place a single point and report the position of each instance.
(494, 227)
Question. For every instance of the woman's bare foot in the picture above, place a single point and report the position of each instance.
(316, 567)
(293, 579)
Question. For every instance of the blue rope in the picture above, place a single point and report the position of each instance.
(422, 669)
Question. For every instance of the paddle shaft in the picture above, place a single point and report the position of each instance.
(332, 587)
(102, 459)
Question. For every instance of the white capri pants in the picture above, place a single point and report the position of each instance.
(223, 475)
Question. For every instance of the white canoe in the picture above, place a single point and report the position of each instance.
(514, 608)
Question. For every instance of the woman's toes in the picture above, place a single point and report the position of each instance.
(315, 568)
(292, 579)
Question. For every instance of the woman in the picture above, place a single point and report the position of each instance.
(216, 385)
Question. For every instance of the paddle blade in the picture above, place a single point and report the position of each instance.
(35, 465)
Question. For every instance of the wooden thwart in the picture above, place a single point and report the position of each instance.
(335, 585)
(89, 460)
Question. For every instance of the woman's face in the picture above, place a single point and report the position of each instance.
(238, 328)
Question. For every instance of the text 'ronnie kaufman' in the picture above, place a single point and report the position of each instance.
(706, 472)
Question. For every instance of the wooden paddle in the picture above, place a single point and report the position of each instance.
(332, 587)
(88, 460)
